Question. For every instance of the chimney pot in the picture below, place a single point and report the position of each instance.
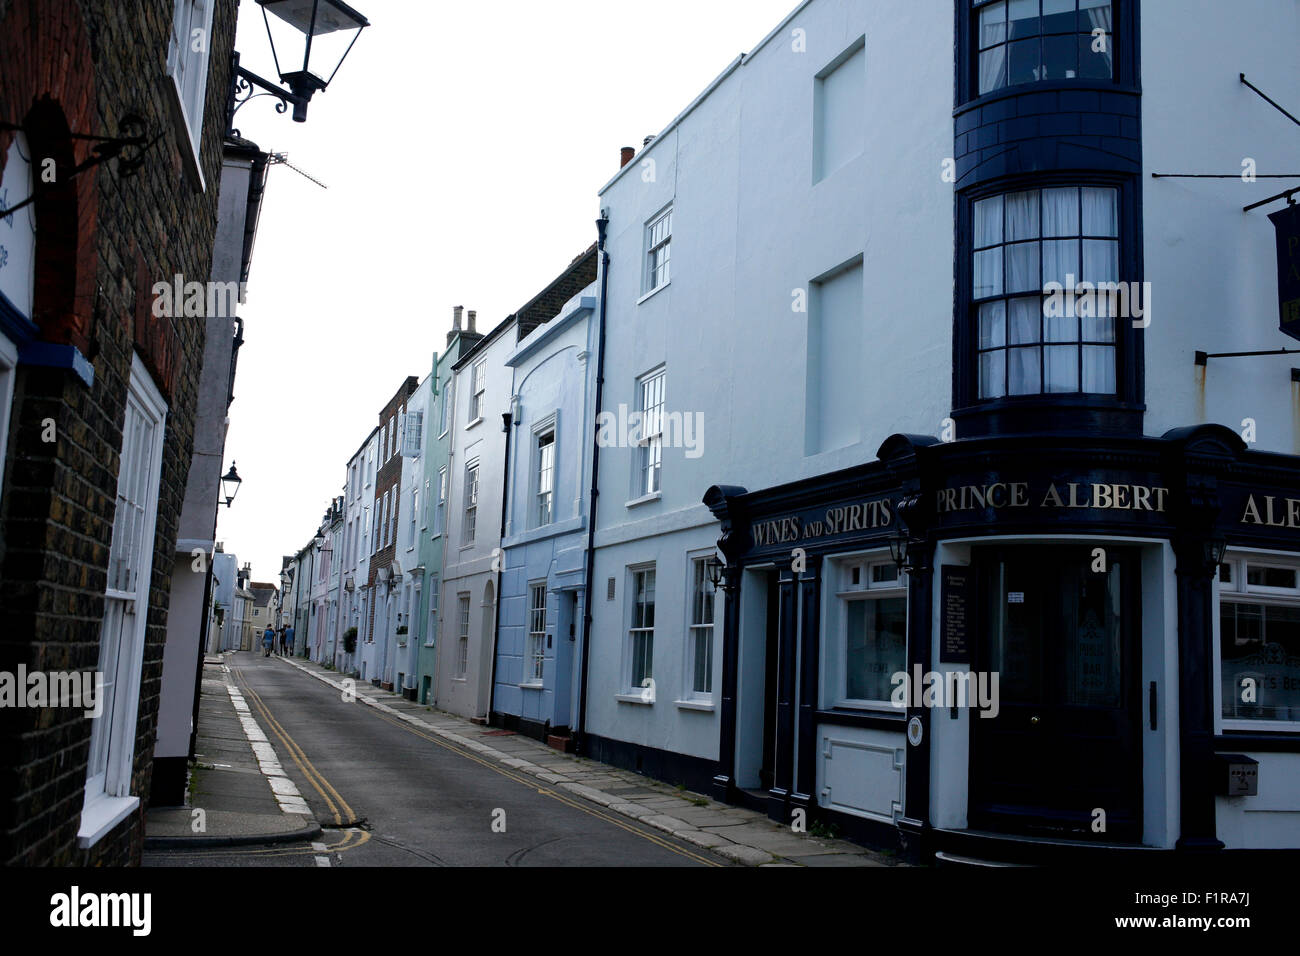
(455, 316)
(470, 321)
(625, 155)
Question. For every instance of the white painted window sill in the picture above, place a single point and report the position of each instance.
(644, 499)
(633, 699)
(655, 291)
(101, 815)
(532, 686)
(428, 643)
(470, 425)
(703, 705)
(460, 680)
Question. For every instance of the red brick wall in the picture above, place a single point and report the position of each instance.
(82, 65)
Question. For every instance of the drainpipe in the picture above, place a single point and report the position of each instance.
(580, 744)
(506, 421)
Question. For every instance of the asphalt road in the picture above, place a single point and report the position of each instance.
(390, 794)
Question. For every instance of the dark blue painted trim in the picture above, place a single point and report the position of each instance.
(17, 327)
(49, 355)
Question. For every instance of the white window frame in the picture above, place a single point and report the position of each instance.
(108, 799)
(648, 473)
(462, 636)
(415, 513)
(631, 687)
(440, 515)
(535, 651)
(431, 635)
(844, 590)
(478, 387)
(697, 630)
(470, 530)
(543, 511)
(447, 394)
(657, 271)
(8, 371)
(1240, 592)
(424, 515)
(188, 69)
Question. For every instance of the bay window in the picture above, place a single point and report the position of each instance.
(1029, 341)
(1030, 41)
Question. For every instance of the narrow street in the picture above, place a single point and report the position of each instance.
(388, 794)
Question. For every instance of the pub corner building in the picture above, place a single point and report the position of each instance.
(1080, 542)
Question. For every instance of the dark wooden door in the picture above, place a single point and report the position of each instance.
(1063, 755)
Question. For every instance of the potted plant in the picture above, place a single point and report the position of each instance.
(350, 640)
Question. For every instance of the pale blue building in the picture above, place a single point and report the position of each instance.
(539, 631)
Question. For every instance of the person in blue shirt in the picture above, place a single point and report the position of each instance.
(268, 638)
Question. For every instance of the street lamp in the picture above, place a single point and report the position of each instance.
(898, 549)
(324, 28)
(230, 483)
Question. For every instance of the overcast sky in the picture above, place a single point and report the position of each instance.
(463, 145)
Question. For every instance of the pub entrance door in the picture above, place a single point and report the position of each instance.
(1061, 628)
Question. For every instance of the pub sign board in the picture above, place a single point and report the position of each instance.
(1287, 223)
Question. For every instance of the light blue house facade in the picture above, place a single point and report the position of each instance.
(536, 673)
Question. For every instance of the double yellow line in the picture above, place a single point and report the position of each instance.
(321, 785)
(314, 776)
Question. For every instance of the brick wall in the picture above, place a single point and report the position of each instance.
(81, 66)
(388, 478)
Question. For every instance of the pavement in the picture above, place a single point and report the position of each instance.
(738, 835)
(238, 792)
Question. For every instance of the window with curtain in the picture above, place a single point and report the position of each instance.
(1029, 41)
(1021, 242)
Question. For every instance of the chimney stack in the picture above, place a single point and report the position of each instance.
(625, 156)
(455, 322)
(470, 321)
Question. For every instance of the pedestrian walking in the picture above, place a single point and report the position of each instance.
(288, 641)
(268, 639)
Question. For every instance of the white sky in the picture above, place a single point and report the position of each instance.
(463, 145)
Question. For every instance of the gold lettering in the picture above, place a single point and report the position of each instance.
(992, 490)
(1074, 496)
(1052, 499)
(1019, 494)
(1251, 515)
(1101, 497)
(1141, 498)
(1121, 497)
(1293, 512)
(1160, 498)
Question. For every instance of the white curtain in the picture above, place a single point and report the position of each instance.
(1100, 214)
(1061, 211)
(1099, 369)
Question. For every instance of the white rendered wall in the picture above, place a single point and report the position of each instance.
(751, 232)
(1212, 267)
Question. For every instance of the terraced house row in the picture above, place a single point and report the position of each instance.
(829, 420)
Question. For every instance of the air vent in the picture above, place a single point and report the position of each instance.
(609, 590)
